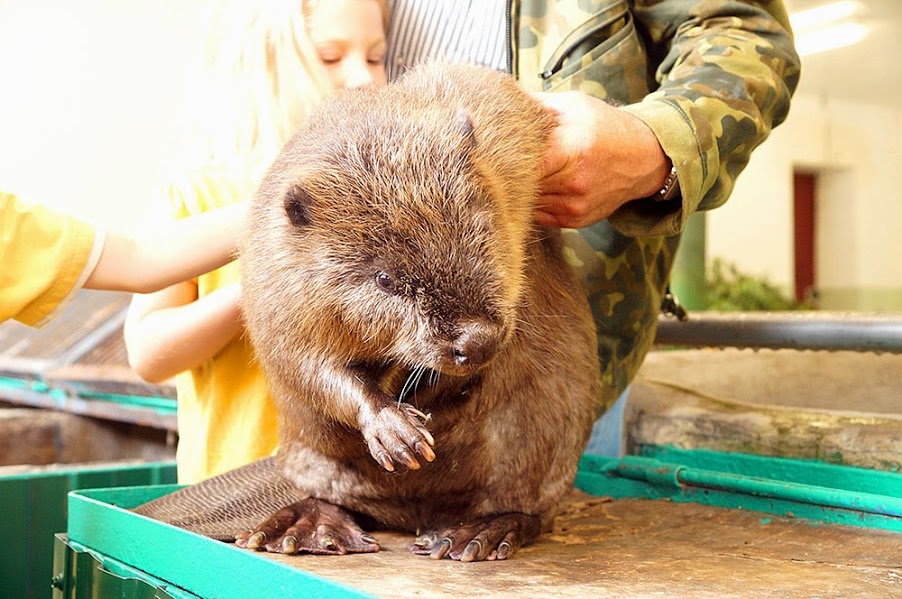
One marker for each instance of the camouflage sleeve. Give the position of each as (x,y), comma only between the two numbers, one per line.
(727,71)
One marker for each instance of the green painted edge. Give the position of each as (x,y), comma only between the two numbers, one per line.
(14,383)
(99,519)
(163,405)
(159,471)
(33,385)
(599,484)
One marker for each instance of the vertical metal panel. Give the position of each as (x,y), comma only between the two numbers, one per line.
(80,574)
(34,508)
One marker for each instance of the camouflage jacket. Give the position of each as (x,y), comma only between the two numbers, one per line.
(710,77)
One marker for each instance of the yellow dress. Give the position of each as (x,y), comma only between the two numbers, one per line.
(45,257)
(226,417)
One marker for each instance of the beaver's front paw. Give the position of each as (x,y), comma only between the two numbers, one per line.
(394,433)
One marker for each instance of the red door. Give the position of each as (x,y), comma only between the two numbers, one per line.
(803,194)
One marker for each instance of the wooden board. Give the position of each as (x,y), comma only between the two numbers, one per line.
(643,548)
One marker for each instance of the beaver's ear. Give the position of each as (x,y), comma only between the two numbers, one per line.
(464,125)
(297,205)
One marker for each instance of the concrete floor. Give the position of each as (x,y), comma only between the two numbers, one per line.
(819,380)
(838,407)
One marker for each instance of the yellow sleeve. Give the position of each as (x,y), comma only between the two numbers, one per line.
(206,189)
(45,257)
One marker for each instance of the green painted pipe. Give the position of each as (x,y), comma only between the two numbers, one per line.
(677,475)
(161,404)
(34,386)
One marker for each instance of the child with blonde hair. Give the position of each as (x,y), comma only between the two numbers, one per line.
(270,63)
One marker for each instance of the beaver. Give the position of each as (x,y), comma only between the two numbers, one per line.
(431,354)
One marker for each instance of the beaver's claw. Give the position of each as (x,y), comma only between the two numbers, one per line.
(489,538)
(309,526)
(396,433)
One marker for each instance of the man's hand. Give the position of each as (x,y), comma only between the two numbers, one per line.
(598,158)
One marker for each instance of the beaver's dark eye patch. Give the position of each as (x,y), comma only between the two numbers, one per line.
(297,203)
(386,282)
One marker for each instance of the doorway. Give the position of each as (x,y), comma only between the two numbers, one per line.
(804,186)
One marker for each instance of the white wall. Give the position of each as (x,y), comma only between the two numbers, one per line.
(91,93)
(856,150)
(93,90)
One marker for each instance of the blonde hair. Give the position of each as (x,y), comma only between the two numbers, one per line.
(261,76)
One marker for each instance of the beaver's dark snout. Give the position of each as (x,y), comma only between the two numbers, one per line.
(477,342)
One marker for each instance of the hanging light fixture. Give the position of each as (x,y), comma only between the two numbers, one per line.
(829,26)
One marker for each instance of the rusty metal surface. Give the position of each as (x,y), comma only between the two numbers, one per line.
(77,357)
(58,339)
(108,350)
(785,330)
(93,408)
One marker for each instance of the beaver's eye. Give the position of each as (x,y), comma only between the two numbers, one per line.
(297,202)
(385,282)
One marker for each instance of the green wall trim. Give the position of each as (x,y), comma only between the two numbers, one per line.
(806,489)
(160,405)
(163,405)
(32,385)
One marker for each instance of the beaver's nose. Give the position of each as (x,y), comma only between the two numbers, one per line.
(476,343)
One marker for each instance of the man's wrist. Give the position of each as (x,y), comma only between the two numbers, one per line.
(656,177)
(670,189)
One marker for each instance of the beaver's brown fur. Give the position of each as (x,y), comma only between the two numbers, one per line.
(431,355)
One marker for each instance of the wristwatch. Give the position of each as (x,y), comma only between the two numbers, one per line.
(671,187)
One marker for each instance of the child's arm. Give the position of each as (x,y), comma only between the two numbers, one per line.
(47,256)
(173,330)
(179,251)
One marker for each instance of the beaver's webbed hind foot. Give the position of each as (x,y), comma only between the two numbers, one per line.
(489,538)
(309,526)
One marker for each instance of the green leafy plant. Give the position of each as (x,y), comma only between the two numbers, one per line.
(730,290)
